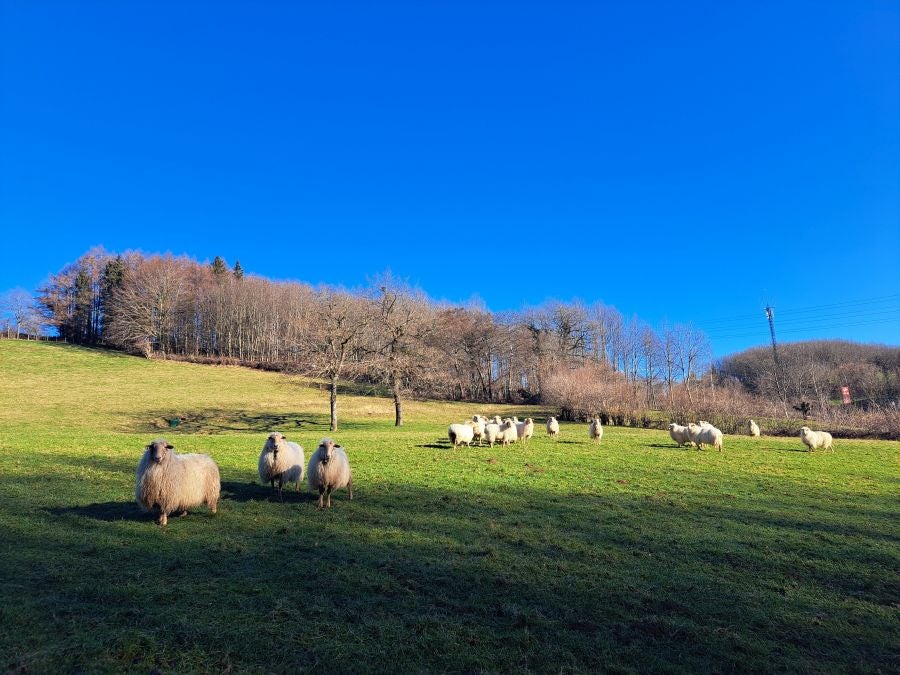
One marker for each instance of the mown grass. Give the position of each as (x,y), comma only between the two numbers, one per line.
(565,556)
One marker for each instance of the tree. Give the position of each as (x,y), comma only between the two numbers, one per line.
(336,332)
(401,331)
(218,266)
(19,305)
(238,271)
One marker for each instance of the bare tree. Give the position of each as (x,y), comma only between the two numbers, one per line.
(339,321)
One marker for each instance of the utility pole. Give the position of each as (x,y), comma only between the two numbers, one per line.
(779,384)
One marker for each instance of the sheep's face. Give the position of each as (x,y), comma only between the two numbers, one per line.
(804,431)
(672,426)
(159,450)
(274,441)
(328,446)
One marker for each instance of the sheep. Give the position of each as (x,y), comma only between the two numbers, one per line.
(492,433)
(525,430)
(171,482)
(477,429)
(816,439)
(552,427)
(461,434)
(329,470)
(679,434)
(281,460)
(496,420)
(705,433)
(508,433)
(753,429)
(595,430)
(480,418)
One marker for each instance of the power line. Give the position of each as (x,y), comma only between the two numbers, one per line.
(752,318)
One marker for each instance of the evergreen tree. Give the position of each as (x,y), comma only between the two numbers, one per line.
(218,266)
(113,279)
(238,270)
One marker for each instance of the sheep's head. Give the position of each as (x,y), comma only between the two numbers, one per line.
(804,431)
(328,446)
(159,450)
(274,442)
(693,427)
(528,420)
(672,426)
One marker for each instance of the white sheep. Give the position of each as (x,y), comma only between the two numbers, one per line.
(170,482)
(480,418)
(496,420)
(753,429)
(525,429)
(552,427)
(492,433)
(679,434)
(281,460)
(329,470)
(508,433)
(477,429)
(461,434)
(705,433)
(816,439)
(595,430)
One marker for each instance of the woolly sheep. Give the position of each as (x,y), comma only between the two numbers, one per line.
(816,439)
(461,434)
(753,428)
(679,434)
(508,433)
(329,470)
(492,433)
(281,460)
(595,430)
(480,418)
(525,429)
(705,434)
(477,430)
(496,420)
(171,482)
(552,427)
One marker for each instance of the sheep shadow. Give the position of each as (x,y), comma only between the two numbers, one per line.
(437,446)
(254,492)
(106,511)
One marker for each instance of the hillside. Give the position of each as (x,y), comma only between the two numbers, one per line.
(630,555)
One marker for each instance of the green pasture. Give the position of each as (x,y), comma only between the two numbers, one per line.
(564,556)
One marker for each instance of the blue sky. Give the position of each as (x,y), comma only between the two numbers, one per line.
(680,161)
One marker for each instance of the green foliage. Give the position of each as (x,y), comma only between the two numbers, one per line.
(631,555)
(238,271)
(218,266)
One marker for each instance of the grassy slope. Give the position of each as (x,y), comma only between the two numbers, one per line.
(634,555)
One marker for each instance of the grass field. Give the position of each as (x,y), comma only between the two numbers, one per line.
(565,556)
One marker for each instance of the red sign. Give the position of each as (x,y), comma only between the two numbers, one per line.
(845,395)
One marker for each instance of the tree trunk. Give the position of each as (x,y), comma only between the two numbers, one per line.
(333,426)
(398,406)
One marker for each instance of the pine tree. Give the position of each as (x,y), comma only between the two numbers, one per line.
(238,270)
(218,266)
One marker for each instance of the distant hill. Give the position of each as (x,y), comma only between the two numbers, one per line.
(817,369)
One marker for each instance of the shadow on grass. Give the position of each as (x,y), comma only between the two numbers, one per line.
(221,420)
(456,578)
(237,491)
(106,511)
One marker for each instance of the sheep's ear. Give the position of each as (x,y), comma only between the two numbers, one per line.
(169,446)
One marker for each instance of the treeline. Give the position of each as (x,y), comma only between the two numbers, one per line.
(386,334)
(815,371)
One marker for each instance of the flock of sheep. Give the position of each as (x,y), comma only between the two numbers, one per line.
(171,483)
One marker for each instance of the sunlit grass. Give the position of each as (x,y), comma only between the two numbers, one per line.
(632,555)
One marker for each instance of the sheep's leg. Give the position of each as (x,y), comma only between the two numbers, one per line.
(328,497)
(350,488)
(321,492)
(163,518)
(213,506)
(280,491)
(182,514)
